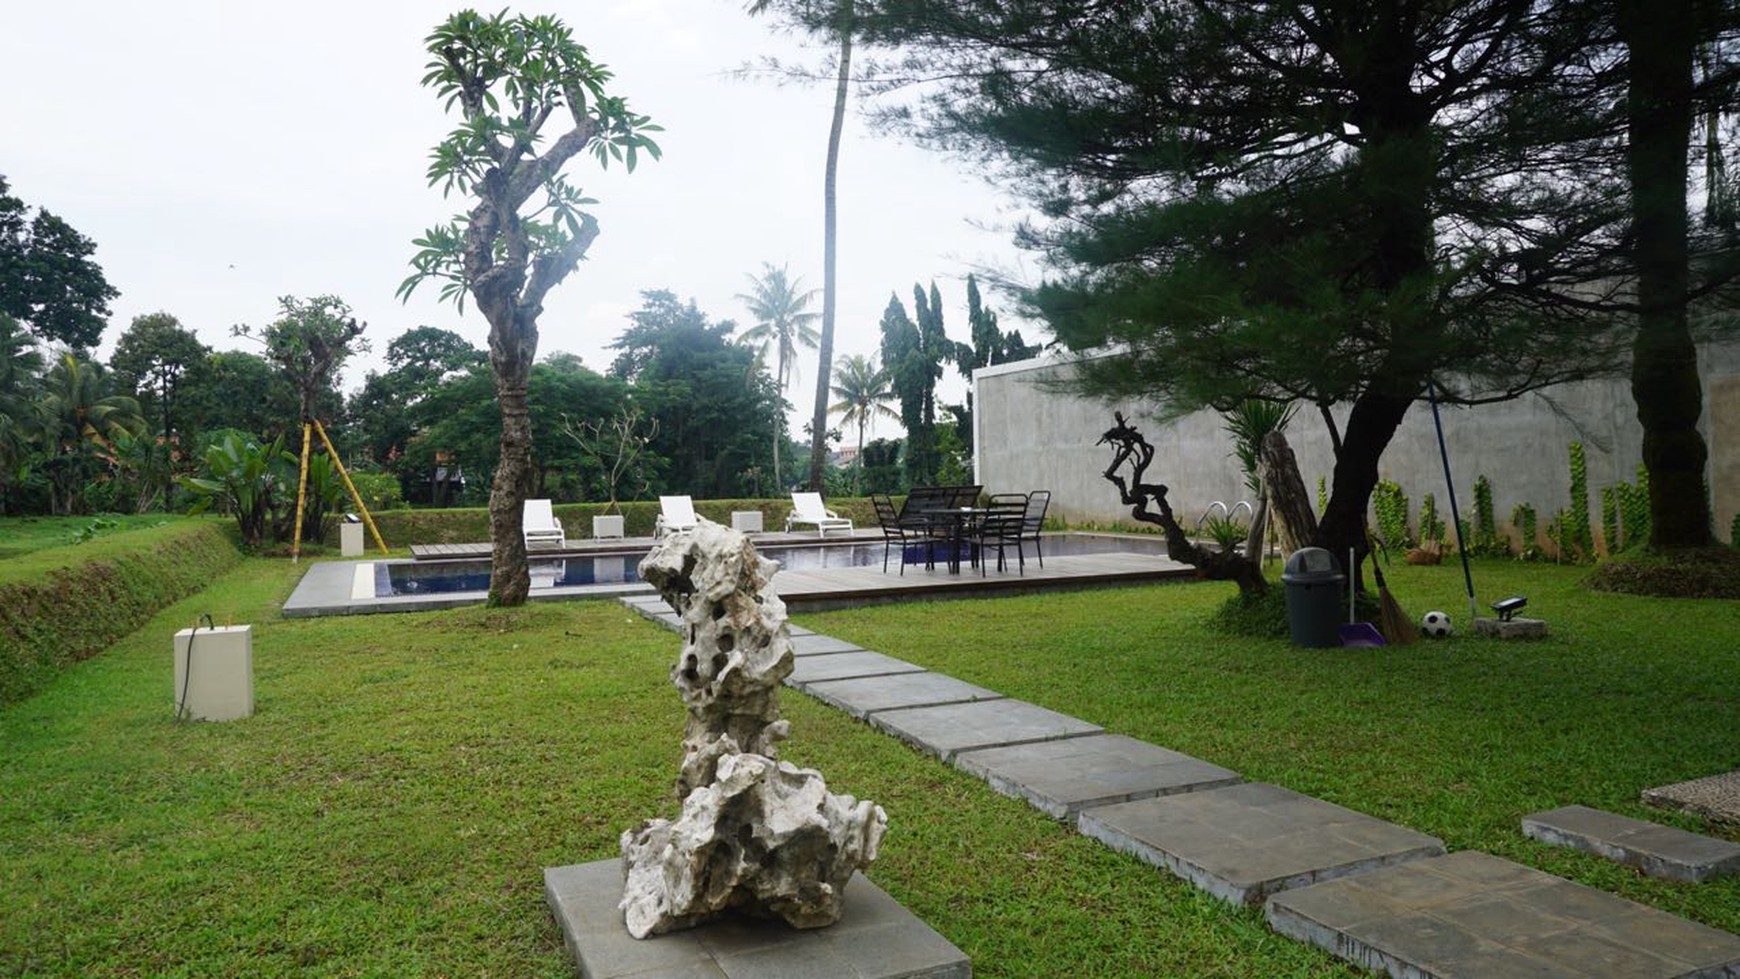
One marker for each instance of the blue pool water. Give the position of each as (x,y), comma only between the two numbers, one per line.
(441,577)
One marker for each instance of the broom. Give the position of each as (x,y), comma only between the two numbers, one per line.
(1397,627)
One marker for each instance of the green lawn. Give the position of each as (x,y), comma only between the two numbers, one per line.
(23,535)
(390,807)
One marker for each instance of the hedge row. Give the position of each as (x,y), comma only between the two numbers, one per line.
(65,604)
(402,528)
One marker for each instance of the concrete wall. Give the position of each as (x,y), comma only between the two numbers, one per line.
(1030,437)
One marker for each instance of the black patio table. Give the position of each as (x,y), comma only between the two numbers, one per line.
(956,527)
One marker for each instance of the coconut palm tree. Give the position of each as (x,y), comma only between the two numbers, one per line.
(79,418)
(864,393)
(842,17)
(779,307)
(20,365)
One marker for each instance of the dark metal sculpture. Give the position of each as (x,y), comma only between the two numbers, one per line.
(1129,447)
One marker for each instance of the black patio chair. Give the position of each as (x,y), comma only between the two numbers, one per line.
(1033,521)
(896,531)
(1000,529)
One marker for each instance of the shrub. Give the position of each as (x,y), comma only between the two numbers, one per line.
(1575,533)
(1228,534)
(1391,506)
(1486,542)
(1257,616)
(1523,518)
(1710,572)
(379,491)
(1431,525)
(65,604)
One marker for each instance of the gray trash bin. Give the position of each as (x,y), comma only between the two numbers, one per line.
(1314,582)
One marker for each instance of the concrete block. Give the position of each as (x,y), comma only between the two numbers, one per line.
(1061,778)
(1659,851)
(840,666)
(1517,628)
(1713,797)
(812,644)
(863,696)
(1478,916)
(214,673)
(1243,843)
(949,729)
(350,539)
(875,938)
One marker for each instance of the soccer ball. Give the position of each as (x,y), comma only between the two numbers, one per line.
(1435,625)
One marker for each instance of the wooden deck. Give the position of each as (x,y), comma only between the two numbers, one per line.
(828,588)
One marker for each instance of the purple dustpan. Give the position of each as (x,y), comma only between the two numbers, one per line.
(1360,635)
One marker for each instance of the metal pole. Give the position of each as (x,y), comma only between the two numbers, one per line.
(1455,514)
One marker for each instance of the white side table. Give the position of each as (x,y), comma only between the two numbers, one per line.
(746,521)
(607,526)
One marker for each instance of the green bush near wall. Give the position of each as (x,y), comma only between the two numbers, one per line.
(402,528)
(65,604)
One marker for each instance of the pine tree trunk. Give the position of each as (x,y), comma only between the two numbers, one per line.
(830,250)
(1370,426)
(1661,37)
(1283,486)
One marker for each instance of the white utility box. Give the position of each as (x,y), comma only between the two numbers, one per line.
(607,526)
(214,673)
(746,521)
(350,539)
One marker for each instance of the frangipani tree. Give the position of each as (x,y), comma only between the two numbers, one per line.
(530,99)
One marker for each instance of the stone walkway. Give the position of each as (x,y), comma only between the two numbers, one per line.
(1374,893)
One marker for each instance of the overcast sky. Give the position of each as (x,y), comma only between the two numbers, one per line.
(224,154)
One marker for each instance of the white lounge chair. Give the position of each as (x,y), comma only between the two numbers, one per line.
(675,513)
(539,524)
(807,508)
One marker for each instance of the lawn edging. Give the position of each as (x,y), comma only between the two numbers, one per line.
(67,604)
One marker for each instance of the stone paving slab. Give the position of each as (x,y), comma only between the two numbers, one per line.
(1478,916)
(814,645)
(1243,843)
(841,666)
(875,938)
(1659,851)
(1061,778)
(1715,797)
(949,729)
(864,696)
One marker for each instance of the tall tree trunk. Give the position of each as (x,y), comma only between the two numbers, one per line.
(511,351)
(1279,472)
(1660,37)
(1370,426)
(830,222)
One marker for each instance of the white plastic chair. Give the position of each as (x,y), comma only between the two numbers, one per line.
(807,508)
(675,513)
(539,524)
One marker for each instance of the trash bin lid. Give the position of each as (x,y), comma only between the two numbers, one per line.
(1311,566)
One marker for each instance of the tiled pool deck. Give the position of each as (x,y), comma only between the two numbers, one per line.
(347,587)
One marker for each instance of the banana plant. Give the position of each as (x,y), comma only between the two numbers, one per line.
(245,478)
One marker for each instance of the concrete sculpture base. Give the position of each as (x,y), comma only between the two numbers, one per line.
(875,939)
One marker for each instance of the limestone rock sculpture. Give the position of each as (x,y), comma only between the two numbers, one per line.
(756,835)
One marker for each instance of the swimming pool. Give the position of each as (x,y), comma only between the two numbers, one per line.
(408,578)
